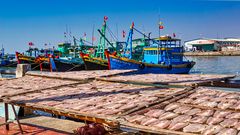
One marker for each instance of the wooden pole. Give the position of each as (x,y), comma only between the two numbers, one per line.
(19,124)
(6,116)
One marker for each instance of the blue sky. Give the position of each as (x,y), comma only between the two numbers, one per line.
(44,21)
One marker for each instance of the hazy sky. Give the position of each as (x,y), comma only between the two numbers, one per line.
(44,21)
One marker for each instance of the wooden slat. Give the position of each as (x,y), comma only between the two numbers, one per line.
(153,130)
(220,84)
(190,82)
(111,122)
(79,75)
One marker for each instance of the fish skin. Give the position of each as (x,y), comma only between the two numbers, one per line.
(206,113)
(214,120)
(182,110)
(177,126)
(233,116)
(194,128)
(193,111)
(182,118)
(134,118)
(199,119)
(224,105)
(221,114)
(227,123)
(237,126)
(228,131)
(162,124)
(167,115)
(154,113)
(148,121)
(171,107)
(212,130)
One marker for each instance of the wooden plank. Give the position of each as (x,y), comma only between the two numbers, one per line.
(80,75)
(164,85)
(111,122)
(163,79)
(6,123)
(153,130)
(220,84)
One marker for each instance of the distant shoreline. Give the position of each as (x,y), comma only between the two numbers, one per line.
(221,53)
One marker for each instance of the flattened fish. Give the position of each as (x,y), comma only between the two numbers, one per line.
(214,120)
(167,115)
(212,130)
(177,126)
(194,128)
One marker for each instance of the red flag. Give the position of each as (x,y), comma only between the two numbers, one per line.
(93,38)
(30,43)
(105,18)
(161,27)
(123,34)
(132,24)
(174,35)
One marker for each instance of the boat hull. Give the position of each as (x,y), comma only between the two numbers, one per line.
(64,66)
(123,63)
(23,59)
(94,63)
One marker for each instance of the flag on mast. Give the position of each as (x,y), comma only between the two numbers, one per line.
(161,25)
(123,34)
(30,44)
(174,35)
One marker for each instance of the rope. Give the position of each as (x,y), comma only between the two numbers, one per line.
(111,34)
(74,66)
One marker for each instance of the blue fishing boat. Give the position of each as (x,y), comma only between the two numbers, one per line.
(163,56)
(5,60)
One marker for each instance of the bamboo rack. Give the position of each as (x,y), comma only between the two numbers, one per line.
(77,76)
(111,122)
(175,83)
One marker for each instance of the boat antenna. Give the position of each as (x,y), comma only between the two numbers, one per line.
(159,37)
(117,30)
(66,34)
(93,34)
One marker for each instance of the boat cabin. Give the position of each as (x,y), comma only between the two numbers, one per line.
(164,51)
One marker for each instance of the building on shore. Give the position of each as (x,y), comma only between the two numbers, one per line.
(206,45)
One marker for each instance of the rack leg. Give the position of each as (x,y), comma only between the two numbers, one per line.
(19,124)
(6,115)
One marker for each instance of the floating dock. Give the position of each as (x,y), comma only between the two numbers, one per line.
(162,104)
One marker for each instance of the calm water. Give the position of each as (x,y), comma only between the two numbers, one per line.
(216,64)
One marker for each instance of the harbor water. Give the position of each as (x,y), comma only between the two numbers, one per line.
(216,64)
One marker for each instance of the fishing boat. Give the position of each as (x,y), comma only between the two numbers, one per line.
(5,60)
(35,57)
(96,59)
(163,56)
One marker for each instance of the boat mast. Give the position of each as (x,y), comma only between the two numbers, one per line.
(159,37)
(102,42)
(129,41)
